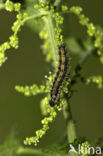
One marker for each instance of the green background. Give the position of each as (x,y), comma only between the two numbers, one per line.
(27,65)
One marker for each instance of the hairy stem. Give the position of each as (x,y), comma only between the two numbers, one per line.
(37,152)
(35,16)
(70,124)
(22,150)
(51,36)
(71,133)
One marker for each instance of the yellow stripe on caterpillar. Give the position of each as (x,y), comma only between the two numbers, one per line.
(60,77)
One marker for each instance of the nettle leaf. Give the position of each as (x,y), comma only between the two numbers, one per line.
(98,142)
(57,150)
(78,46)
(98,80)
(73,46)
(88,44)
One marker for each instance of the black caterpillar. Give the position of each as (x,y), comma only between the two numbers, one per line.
(61,75)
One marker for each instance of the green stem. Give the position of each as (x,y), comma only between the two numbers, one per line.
(37,152)
(35,16)
(22,150)
(51,36)
(69,122)
(67,110)
(71,133)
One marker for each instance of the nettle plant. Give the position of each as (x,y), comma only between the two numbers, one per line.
(49,15)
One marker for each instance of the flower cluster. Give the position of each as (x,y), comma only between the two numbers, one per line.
(10,6)
(13,39)
(85,148)
(45,122)
(32,90)
(98,80)
(21,18)
(49,112)
(92,30)
(46,110)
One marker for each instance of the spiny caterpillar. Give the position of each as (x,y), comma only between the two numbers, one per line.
(61,75)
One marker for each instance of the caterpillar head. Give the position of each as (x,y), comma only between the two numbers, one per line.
(52,103)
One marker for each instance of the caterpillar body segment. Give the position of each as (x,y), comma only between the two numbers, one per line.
(60,77)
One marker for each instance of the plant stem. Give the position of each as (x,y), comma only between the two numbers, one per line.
(35,16)
(71,133)
(22,150)
(37,152)
(69,122)
(51,36)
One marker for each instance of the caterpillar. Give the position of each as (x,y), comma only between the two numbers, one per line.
(60,77)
